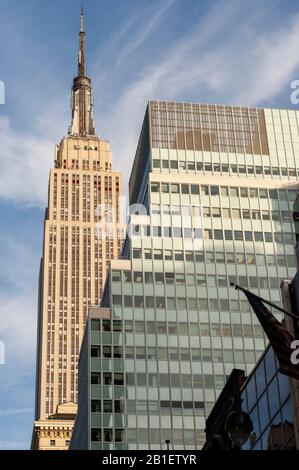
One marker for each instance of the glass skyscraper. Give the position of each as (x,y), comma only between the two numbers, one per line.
(212,189)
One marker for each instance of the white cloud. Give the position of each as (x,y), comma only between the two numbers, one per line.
(25,161)
(18,302)
(231,54)
(228,56)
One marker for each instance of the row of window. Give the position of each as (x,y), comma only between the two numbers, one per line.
(227,213)
(178,354)
(148,436)
(160,380)
(247,214)
(224,191)
(287,238)
(107,435)
(177,328)
(182,303)
(181,279)
(224,168)
(142,407)
(145,231)
(208,257)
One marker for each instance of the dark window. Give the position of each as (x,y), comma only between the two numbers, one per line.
(96,406)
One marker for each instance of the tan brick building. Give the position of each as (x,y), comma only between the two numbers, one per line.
(76,253)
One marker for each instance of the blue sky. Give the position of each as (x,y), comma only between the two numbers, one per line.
(236,52)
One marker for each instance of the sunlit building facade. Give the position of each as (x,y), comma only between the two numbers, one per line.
(213,189)
(84,193)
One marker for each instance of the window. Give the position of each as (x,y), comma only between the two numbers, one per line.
(179,255)
(255,214)
(148,278)
(248,236)
(246,213)
(266,215)
(96,406)
(127,276)
(228,234)
(160,302)
(95,378)
(278,237)
(224,191)
(268,237)
(139,327)
(194,189)
(107,378)
(204,190)
(214,190)
(149,302)
(238,235)
(140,352)
(136,253)
(52,442)
(234,192)
(116,276)
(117,300)
(158,254)
(96,435)
(119,433)
(263,193)
(182,304)
(260,260)
(128,301)
(138,301)
(236,214)
(258,236)
(175,188)
(226,213)
(253,192)
(206,212)
(108,435)
(138,277)
(218,235)
(95,351)
(207,234)
(273,194)
(107,351)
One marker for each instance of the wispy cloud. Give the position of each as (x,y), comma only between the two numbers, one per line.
(153,18)
(229,54)
(226,56)
(227,51)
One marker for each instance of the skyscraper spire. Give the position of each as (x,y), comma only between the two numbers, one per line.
(81,58)
(82,116)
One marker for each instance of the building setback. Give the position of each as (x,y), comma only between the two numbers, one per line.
(217,184)
(75,258)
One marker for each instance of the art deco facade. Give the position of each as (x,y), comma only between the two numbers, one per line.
(76,254)
(218,184)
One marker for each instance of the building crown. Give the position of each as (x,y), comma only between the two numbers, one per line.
(82,124)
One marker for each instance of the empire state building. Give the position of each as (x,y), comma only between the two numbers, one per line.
(80,239)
